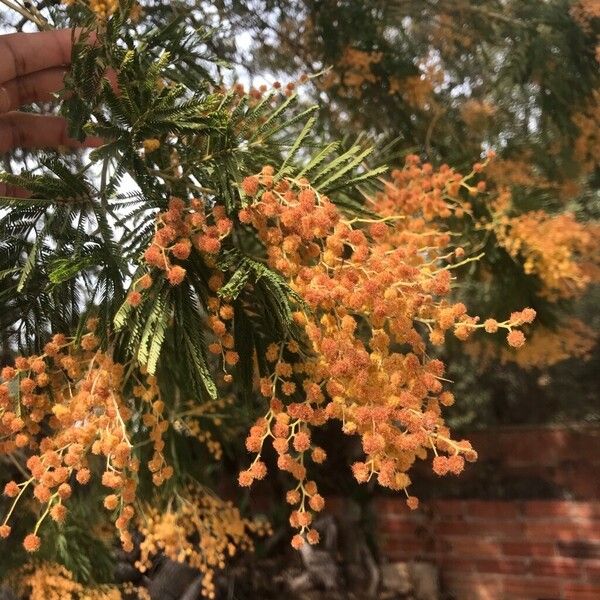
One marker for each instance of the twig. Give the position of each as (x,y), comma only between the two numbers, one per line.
(38,6)
(432,124)
(37,19)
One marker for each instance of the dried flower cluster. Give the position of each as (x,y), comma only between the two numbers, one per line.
(519,170)
(417,90)
(65,406)
(103,9)
(356,67)
(447,32)
(477,113)
(269,93)
(199,529)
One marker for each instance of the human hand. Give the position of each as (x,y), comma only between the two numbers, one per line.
(32,69)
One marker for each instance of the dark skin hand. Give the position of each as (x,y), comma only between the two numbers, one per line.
(32,69)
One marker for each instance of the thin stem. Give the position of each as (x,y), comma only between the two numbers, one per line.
(41,519)
(38,19)
(16,500)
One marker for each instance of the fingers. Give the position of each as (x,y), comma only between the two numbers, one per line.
(36,87)
(25,130)
(32,69)
(25,53)
(13,191)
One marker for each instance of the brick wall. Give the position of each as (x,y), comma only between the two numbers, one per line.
(566,458)
(545,550)
(523,462)
(508,544)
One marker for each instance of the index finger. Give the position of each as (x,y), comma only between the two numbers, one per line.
(25,53)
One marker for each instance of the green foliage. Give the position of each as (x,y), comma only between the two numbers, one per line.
(77,543)
(73,248)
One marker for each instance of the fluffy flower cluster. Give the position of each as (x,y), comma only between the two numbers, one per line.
(584,12)
(49,581)
(417,90)
(449,35)
(101,8)
(587,144)
(178,230)
(104,8)
(220,322)
(562,252)
(62,407)
(545,347)
(191,421)
(269,94)
(517,171)
(477,113)
(375,291)
(356,67)
(199,529)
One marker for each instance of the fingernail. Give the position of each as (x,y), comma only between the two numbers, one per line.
(4,100)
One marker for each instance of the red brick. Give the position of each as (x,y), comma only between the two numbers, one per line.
(552,508)
(395,550)
(447,507)
(507,528)
(452,528)
(399,526)
(528,549)
(392,517)
(577,473)
(402,540)
(388,505)
(587,549)
(546,529)
(450,564)
(337,505)
(468,580)
(395,506)
(473,547)
(581,591)
(473,586)
(591,568)
(508,566)
(557,567)
(525,450)
(534,588)
(397,556)
(494,510)
(459,520)
(566,459)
